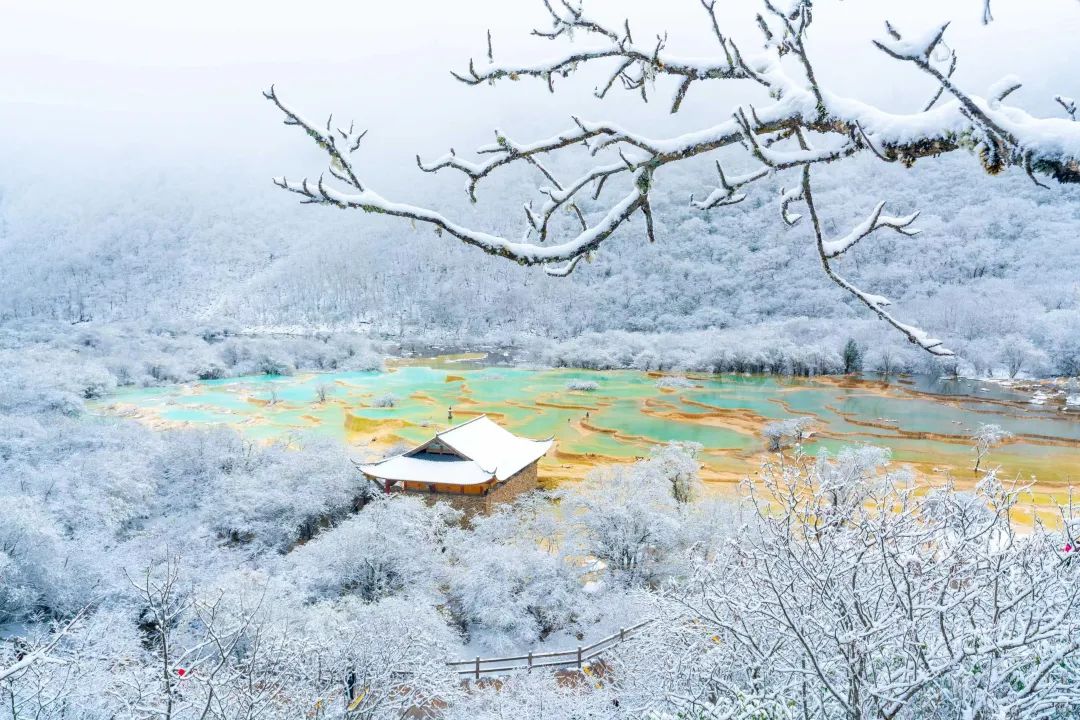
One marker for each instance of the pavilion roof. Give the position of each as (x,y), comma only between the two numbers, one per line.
(484,450)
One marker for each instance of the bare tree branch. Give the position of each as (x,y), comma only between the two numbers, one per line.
(828,250)
(1068,104)
(42,653)
(803,123)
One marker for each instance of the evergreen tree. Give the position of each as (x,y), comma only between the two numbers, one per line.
(853,357)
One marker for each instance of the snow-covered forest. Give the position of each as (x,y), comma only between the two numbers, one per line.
(991,271)
(194,574)
(184,572)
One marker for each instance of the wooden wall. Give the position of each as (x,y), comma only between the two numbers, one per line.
(472,499)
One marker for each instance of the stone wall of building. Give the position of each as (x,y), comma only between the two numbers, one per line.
(468,504)
(522,481)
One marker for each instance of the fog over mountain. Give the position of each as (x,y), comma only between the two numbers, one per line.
(992,268)
(137,184)
(201,374)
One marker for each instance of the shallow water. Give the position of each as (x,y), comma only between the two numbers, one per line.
(925,422)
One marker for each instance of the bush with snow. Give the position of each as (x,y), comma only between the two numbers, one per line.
(387,400)
(674,382)
(791,594)
(506,590)
(389,548)
(782,433)
(627,525)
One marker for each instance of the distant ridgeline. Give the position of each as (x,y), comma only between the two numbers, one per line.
(993,273)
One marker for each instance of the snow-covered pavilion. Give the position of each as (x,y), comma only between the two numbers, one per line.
(477,458)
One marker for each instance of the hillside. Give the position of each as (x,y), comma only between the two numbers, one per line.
(991,271)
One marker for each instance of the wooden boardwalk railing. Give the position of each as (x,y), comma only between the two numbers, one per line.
(479,666)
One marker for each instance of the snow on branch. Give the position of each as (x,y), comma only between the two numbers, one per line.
(1068,104)
(42,653)
(802,123)
(828,250)
(918,48)
(1004,87)
(835,248)
(1003,136)
(637,65)
(787,197)
(367,200)
(727,193)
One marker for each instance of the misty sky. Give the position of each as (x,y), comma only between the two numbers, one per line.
(115,85)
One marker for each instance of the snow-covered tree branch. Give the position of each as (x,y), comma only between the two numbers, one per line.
(41,653)
(853,595)
(804,123)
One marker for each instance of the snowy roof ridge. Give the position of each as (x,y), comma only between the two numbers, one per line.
(484,447)
(439,436)
(481,416)
(484,416)
(486,442)
(428,470)
(418,450)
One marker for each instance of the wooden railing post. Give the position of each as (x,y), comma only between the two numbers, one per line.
(557,659)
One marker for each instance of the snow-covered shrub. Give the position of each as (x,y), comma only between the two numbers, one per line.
(985,437)
(384,660)
(628,524)
(267,364)
(790,595)
(388,548)
(515,597)
(164,370)
(35,381)
(582,385)
(781,433)
(675,465)
(32,561)
(674,382)
(521,591)
(276,497)
(387,400)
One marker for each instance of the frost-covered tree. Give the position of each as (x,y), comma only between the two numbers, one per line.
(508,584)
(627,519)
(677,464)
(273,496)
(25,658)
(386,400)
(32,559)
(388,548)
(986,437)
(1004,272)
(781,433)
(370,661)
(855,594)
(787,120)
(885,362)
(1018,353)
